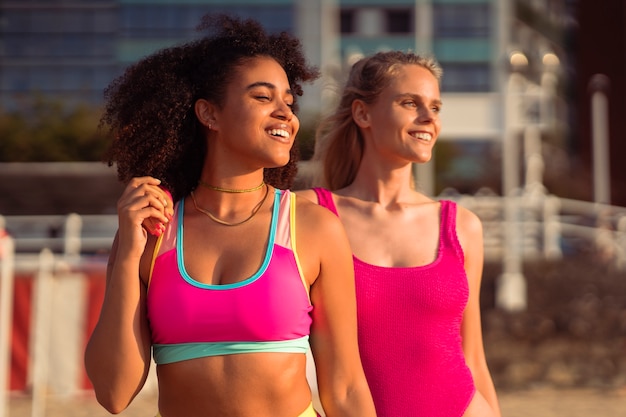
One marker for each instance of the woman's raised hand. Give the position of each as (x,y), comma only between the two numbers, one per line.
(144,207)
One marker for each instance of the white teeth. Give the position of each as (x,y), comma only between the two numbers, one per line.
(423,136)
(278,132)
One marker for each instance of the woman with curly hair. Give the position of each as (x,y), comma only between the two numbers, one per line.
(209,277)
(418,261)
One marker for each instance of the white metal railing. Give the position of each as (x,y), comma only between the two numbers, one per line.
(42,246)
(70,235)
(549,227)
(41,331)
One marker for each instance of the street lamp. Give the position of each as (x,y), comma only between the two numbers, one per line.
(599,86)
(545,122)
(529,109)
(511,284)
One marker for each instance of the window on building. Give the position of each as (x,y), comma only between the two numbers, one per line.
(274,19)
(104,21)
(56,45)
(15,45)
(467,165)
(45,21)
(74,21)
(103,75)
(465,77)
(176,21)
(346,20)
(75,78)
(15,79)
(19,22)
(461,20)
(399,20)
(44,79)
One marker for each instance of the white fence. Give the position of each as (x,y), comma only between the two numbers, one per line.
(549,227)
(71,235)
(50,248)
(59,302)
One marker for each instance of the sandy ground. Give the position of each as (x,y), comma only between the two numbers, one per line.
(545,402)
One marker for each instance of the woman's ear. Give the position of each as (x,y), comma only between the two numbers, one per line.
(360,113)
(205,112)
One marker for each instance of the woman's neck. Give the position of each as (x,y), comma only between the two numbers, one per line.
(383,186)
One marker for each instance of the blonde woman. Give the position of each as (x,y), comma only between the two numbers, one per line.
(418,261)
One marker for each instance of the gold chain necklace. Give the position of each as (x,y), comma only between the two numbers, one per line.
(215,219)
(231,190)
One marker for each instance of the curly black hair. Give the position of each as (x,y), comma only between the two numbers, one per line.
(150,108)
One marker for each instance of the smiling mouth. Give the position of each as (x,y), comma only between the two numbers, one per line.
(422,135)
(280,133)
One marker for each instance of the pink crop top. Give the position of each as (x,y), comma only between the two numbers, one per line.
(267,312)
(409,329)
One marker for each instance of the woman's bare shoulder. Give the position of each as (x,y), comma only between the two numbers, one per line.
(467,220)
(313,217)
(308,193)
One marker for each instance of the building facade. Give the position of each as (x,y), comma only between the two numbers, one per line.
(71,50)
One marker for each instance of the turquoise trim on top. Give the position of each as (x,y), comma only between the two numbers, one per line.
(266,260)
(164,354)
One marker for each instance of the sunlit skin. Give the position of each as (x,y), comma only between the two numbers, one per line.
(403,123)
(253,129)
(389,223)
(256,123)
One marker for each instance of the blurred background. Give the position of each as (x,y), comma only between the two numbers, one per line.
(532,141)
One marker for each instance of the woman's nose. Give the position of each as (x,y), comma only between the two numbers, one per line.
(426,114)
(284,112)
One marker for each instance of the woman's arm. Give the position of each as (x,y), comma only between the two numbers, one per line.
(117,357)
(324,248)
(469,229)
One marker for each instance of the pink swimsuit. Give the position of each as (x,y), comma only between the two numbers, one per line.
(409,324)
(267,312)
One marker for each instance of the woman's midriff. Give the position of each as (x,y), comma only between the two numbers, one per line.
(259,384)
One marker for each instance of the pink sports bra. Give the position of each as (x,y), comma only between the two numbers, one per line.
(267,312)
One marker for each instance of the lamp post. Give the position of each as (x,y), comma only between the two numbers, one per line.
(535,193)
(529,110)
(599,86)
(511,284)
(547,116)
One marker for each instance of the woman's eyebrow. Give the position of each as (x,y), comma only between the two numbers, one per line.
(266,84)
(416,97)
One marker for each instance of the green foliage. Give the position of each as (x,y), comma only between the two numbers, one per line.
(49,132)
(305,141)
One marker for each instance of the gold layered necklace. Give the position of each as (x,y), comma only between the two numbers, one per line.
(255,209)
(231,190)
